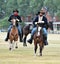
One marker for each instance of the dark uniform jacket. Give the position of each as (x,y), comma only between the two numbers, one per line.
(16,17)
(43,19)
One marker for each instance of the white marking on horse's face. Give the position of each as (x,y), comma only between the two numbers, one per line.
(39,28)
(14,21)
(38,33)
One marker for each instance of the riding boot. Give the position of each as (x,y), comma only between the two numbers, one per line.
(45,40)
(20,37)
(7,37)
(30,40)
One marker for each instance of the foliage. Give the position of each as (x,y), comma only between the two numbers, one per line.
(4,23)
(53,6)
(27,7)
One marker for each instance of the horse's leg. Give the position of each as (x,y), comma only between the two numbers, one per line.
(35,48)
(24,41)
(16,44)
(10,45)
(22,33)
(41,48)
(13,45)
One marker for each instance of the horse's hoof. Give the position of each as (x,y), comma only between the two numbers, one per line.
(9,48)
(40,54)
(16,47)
(24,44)
(35,54)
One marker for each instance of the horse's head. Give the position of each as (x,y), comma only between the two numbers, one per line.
(38,30)
(14,22)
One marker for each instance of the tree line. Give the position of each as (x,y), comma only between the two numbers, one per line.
(27,7)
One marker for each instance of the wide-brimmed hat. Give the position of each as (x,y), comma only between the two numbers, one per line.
(16,11)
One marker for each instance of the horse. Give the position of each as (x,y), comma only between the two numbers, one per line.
(13,35)
(38,39)
(26,31)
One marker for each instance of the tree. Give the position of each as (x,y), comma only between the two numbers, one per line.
(25,7)
(53,6)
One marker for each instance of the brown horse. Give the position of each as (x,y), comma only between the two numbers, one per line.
(13,36)
(38,39)
(26,31)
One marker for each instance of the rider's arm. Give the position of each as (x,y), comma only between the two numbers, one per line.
(19,19)
(35,20)
(46,22)
(10,18)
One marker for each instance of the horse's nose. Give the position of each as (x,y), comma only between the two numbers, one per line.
(13,25)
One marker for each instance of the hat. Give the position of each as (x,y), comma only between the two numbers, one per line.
(38,13)
(42,11)
(16,11)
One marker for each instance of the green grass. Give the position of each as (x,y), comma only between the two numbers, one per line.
(25,55)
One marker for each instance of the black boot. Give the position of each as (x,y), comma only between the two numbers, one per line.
(7,37)
(30,40)
(20,37)
(45,40)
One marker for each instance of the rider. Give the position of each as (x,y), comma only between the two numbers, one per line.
(40,17)
(18,18)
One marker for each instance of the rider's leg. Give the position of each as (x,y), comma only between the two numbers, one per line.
(20,32)
(45,36)
(8,33)
(32,34)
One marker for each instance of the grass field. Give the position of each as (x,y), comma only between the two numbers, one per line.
(25,55)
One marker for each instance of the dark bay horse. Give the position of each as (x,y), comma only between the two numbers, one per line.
(13,36)
(26,31)
(38,39)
